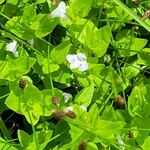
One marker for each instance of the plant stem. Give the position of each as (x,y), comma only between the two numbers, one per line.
(34,132)
(129,11)
(49,71)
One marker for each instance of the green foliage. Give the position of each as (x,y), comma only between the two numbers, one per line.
(77,61)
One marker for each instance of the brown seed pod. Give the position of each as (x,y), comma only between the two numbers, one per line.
(55,2)
(119,101)
(22,83)
(146,15)
(71,114)
(55,100)
(130,134)
(136,2)
(59,114)
(82,145)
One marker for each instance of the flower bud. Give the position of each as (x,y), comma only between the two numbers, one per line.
(22,83)
(71,114)
(55,100)
(59,114)
(82,145)
(136,2)
(146,15)
(130,134)
(119,101)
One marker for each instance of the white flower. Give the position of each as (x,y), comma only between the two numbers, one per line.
(31,42)
(77,61)
(81,56)
(60,11)
(73,60)
(12,47)
(83,66)
(67,97)
(83,107)
(69,108)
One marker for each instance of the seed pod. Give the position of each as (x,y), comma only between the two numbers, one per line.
(119,101)
(130,134)
(136,2)
(55,100)
(82,145)
(22,83)
(55,2)
(146,15)
(71,114)
(107,59)
(59,114)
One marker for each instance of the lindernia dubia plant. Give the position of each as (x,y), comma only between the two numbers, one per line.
(74,75)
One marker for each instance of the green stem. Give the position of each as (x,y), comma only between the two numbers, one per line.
(33,129)
(34,132)
(1,97)
(49,72)
(129,11)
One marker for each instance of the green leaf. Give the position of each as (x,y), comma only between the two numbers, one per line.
(14,2)
(24,138)
(1,1)
(62,75)
(135,102)
(47,65)
(58,54)
(20,25)
(19,28)
(40,1)
(25,101)
(5,145)
(108,129)
(131,71)
(81,28)
(43,24)
(93,115)
(99,40)
(28,142)
(85,96)
(79,8)
(144,57)
(14,68)
(146,143)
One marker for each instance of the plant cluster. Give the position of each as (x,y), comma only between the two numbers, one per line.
(74,75)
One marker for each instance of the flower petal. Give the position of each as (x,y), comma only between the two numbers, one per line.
(12,47)
(69,108)
(81,56)
(83,107)
(67,97)
(83,66)
(60,11)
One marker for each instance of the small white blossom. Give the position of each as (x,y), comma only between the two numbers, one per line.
(60,11)
(77,61)
(83,66)
(73,60)
(12,47)
(67,97)
(81,57)
(31,42)
(83,107)
(69,108)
